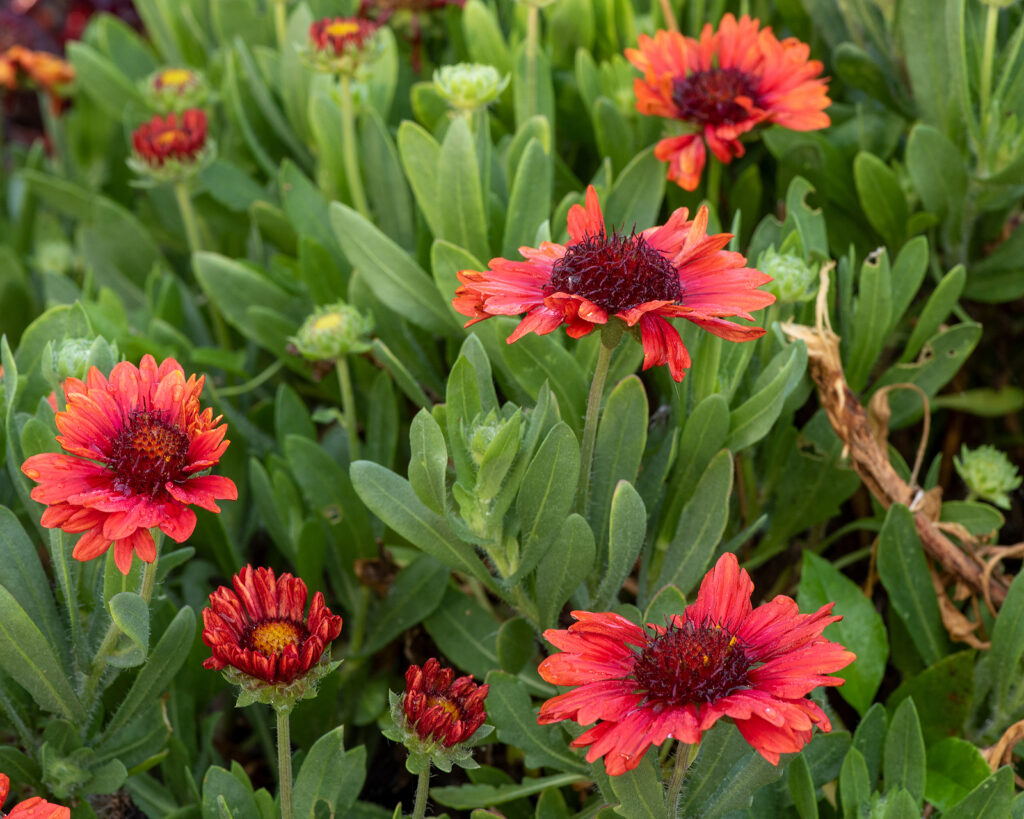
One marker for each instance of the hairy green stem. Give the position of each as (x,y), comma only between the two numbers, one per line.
(609,341)
(348,407)
(348,148)
(419,810)
(684,756)
(280,23)
(284,762)
(532,41)
(987,60)
(188,216)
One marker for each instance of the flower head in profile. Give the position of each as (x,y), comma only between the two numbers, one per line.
(343,45)
(34,808)
(438,717)
(673,270)
(723,85)
(171,147)
(720,658)
(332,331)
(46,71)
(175,89)
(263,639)
(137,446)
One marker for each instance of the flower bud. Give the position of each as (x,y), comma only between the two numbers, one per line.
(988,473)
(332,331)
(793,280)
(343,45)
(72,358)
(468,86)
(171,148)
(175,89)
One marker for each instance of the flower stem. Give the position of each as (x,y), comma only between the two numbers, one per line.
(987,60)
(685,755)
(348,148)
(348,407)
(532,40)
(188,216)
(609,341)
(419,810)
(280,23)
(284,762)
(669,15)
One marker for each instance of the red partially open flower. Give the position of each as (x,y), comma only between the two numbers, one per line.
(725,84)
(261,627)
(180,138)
(720,658)
(440,709)
(34,808)
(138,443)
(339,34)
(674,270)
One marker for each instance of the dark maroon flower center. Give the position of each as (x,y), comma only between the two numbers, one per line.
(709,97)
(147,453)
(691,664)
(271,637)
(615,272)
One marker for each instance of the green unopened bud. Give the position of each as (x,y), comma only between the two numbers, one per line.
(988,473)
(793,280)
(175,89)
(72,358)
(468,86)
(332,331)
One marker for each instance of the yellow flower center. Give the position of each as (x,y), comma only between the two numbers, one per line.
(271,637)
(174,77)
(328,321)
(449,707)
(342,28)
(168,138)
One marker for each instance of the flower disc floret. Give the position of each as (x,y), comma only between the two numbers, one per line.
(675,270)
(721,658)
(722,86)
(137,444)
(176,89)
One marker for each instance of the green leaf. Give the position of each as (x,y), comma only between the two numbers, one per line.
(22,575)
(164,661)
(613,132)
(421,159)
(730,773)
(621,439)
(105,84)
(467,797)
(484,38)
(414,595)
(1007,650)
(131,614)
(529,199)
(904,763)
(983,401)
(29,659)
(635,198)
(951,682)
(627,526)
(224,797)
(908,271)
(854,785)
(465,632)
(753,419)
(546,496)
(562,569)
(922,30)
(904,573)
(510,711)
(871,320)
(331,775)
(700,527)
(861,630)
(639,790)
(940,304)
(535,360)
(942,192)
(801,786)
(392,275)
(428,461)
(955,768)
(993,797)
(515,644)
(881,197)
(462,204)
(392,499)
(869,739)
(978,518)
